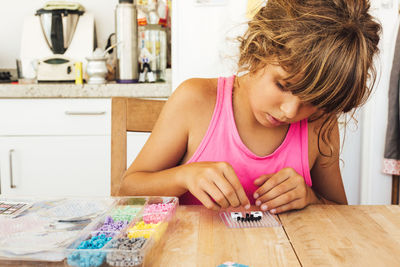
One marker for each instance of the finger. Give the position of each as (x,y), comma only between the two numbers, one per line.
(276,191)
(213,191)
(230,175)
(262,179)
(294,205)
(280,200)
(276,179)
(206,200)
(227,189)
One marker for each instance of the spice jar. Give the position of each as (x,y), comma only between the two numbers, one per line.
(96,68)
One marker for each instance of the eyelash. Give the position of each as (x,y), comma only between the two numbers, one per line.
(281,87)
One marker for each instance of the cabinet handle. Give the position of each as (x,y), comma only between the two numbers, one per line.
(12,185)
(84,113)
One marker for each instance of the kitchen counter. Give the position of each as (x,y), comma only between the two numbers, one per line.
(71,90)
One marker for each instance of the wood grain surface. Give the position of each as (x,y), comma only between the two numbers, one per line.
(325,235)
(198,237)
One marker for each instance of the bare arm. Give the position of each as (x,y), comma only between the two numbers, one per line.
(154,170)
(327,181)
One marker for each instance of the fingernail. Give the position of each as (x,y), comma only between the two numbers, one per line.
(264,207)
(258,203)
(255,195)
(273,211)
(247,206)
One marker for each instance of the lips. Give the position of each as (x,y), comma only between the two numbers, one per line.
(274,121)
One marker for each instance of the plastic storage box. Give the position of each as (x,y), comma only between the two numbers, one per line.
(126,232)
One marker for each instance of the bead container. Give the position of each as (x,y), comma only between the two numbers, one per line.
(125,235)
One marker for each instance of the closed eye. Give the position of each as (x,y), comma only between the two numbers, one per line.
(280,86)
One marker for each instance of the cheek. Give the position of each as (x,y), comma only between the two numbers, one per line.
(266,98)
(308,111)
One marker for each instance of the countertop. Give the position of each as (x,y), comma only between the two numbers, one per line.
(71,90)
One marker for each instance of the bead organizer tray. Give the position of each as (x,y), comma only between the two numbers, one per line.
(115,240)
(91,232)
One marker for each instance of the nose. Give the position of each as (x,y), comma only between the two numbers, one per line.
(290,106)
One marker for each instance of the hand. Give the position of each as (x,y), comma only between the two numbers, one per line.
(215,184)
(283,191)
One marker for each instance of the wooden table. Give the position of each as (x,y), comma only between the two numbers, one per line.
(320,235)
(325,235)
(199,238)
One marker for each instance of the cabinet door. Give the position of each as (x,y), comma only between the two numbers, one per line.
(55,166)
(46,117)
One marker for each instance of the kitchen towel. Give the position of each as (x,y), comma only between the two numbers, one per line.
(391,161)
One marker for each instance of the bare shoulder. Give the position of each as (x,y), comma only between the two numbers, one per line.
(193,97)
(195,91)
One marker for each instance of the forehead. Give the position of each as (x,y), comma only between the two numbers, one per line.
(280,73)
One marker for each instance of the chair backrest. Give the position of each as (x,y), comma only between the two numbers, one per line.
(128,115)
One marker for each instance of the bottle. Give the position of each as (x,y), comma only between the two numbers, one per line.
(126,35)
(78,73)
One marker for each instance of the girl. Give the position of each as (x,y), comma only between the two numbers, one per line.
(268,137)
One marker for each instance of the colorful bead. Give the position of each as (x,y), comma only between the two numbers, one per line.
(156,213)
(127,252)
(125,213)
(110,227)
(89,258)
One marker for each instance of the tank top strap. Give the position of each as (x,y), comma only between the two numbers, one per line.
(224,88)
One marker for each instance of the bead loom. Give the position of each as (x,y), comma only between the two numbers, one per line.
(250,219)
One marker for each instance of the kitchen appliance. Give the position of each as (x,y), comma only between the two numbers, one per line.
(8,75)
(57,36)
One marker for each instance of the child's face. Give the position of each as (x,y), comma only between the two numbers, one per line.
(271,104)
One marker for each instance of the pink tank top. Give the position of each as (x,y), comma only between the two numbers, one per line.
(223,143)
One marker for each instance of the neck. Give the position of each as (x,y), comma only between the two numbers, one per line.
(241,105)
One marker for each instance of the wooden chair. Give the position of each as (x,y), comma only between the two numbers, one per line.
(395,189)
(128,115)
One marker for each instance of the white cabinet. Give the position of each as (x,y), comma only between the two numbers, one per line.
(55,147)
(58,147)
(55,165)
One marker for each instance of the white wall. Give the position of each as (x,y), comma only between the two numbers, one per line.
(376,186)
(12,14)
(202,37)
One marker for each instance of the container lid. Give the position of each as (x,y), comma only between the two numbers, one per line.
(61,7)
(126,1)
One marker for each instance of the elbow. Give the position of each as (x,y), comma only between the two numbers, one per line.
(124,187)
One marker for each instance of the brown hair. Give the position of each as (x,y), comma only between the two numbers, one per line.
(331,43)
